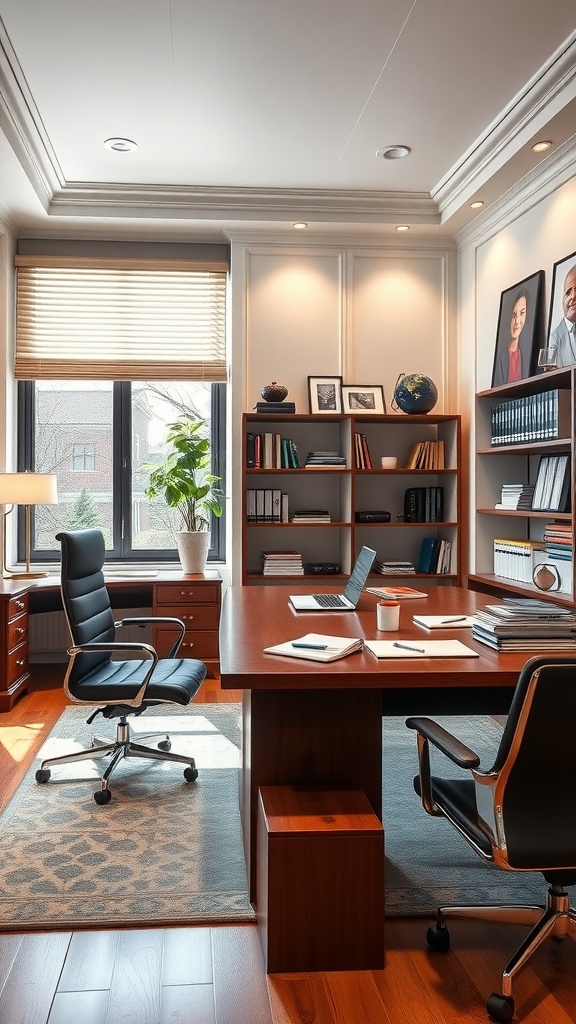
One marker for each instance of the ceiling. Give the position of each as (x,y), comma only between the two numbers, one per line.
(256,113)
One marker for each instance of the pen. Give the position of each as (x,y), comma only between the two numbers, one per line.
(406,647)
(461,618)
(311,647)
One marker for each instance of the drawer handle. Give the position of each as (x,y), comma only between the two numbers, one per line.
(19,662)
(186,593)
(20,629)
(188,618)
(187,645)
(20,605)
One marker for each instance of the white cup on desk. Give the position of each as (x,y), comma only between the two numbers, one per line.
(388,616)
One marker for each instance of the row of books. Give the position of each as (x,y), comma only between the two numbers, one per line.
(266,505)
(362,455)
(282,563)
(426,455)
(541,417)
(270,451)
(516,559)
(435,555)
(525,624)
(394,568)
(311,516)
(552,484)
(424,505)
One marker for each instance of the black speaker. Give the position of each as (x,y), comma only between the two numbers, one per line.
(376,516)
(323,568)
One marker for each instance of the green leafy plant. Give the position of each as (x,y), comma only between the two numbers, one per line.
(184,479)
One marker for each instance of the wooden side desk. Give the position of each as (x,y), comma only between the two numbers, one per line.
(194,599)
(307,723)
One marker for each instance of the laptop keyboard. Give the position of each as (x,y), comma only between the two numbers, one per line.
(330,601)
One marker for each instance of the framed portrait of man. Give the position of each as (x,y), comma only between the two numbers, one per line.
(519,330)
(562,314)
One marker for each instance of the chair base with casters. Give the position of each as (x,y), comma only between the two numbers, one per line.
(123,746)
(117,678)
(556,920)
(516,814)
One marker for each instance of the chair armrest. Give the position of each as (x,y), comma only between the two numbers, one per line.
(444,741)
(115,647)
(154,619)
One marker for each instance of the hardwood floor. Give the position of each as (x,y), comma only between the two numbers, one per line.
(215,975)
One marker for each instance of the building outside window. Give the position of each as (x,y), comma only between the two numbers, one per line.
(83,458)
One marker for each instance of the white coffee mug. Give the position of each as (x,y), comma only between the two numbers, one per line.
(388,616)
(389,462)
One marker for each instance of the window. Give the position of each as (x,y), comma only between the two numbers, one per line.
(102,481)
(83,458)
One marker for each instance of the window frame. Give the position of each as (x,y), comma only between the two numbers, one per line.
(122,550)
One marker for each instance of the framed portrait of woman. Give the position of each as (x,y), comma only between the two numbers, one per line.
(519,330)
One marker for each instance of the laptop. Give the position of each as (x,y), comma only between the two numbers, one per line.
(345,602)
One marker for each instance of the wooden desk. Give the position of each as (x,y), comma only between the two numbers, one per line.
(307,723)
(194,599)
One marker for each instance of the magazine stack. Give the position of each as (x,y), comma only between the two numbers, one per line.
(525,624)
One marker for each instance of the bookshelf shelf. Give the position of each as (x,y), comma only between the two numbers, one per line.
(537,405)
(344,491)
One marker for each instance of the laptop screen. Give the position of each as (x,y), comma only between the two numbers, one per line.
(359,575)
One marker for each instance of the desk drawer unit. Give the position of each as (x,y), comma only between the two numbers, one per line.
(14,675)
(196,601)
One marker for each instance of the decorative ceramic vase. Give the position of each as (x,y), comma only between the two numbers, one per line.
(274,392)
(193,550)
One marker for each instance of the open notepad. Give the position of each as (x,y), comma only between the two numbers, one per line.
(322,647)
(444,621)
(419,649)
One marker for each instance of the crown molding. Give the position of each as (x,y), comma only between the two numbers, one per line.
(545,94)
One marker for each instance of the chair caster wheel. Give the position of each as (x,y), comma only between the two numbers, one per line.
(103,796)
(500,1007)
(438,939)
(42,775)
(190,774)
(165,745)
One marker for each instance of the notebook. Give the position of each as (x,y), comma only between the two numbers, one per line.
(345,602)
(317,647)
(444,621)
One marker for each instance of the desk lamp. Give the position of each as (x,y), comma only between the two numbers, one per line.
(26,489)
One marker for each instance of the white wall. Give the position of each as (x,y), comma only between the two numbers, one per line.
(364,312)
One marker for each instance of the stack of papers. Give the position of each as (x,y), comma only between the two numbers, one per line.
(419,649)
(444,621)
(395,593)
(317,647)
(526,625)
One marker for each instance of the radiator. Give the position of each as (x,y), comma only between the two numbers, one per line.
(50,638)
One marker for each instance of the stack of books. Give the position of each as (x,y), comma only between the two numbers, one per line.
(398,568)
(312,516)
(525,624)
(282,563)
(558,540)
(325,459)
(516,497)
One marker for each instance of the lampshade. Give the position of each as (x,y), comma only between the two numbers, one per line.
(28,489)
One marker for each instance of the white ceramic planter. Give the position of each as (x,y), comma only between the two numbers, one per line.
(193,550)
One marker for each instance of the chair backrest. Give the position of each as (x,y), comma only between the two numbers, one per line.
(85,598)
(536,766)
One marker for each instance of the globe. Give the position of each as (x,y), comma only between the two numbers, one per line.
(415,393)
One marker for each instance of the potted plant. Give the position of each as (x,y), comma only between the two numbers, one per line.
(185,482)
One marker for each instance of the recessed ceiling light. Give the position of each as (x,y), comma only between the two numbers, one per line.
(476,204)
(393,152)
(300,225)
(120,145)
(541,147)
(402,227)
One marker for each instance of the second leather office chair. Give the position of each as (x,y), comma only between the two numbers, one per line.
(120,687)
(518,813)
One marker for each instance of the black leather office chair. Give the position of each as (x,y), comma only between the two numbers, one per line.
(122,687)
(519,813)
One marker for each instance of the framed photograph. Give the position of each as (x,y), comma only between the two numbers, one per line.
(518,336)
(325,394)
(562,315)
(363,398)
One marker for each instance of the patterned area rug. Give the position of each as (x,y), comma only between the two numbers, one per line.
(165,851)
(427,863)
(162,850)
